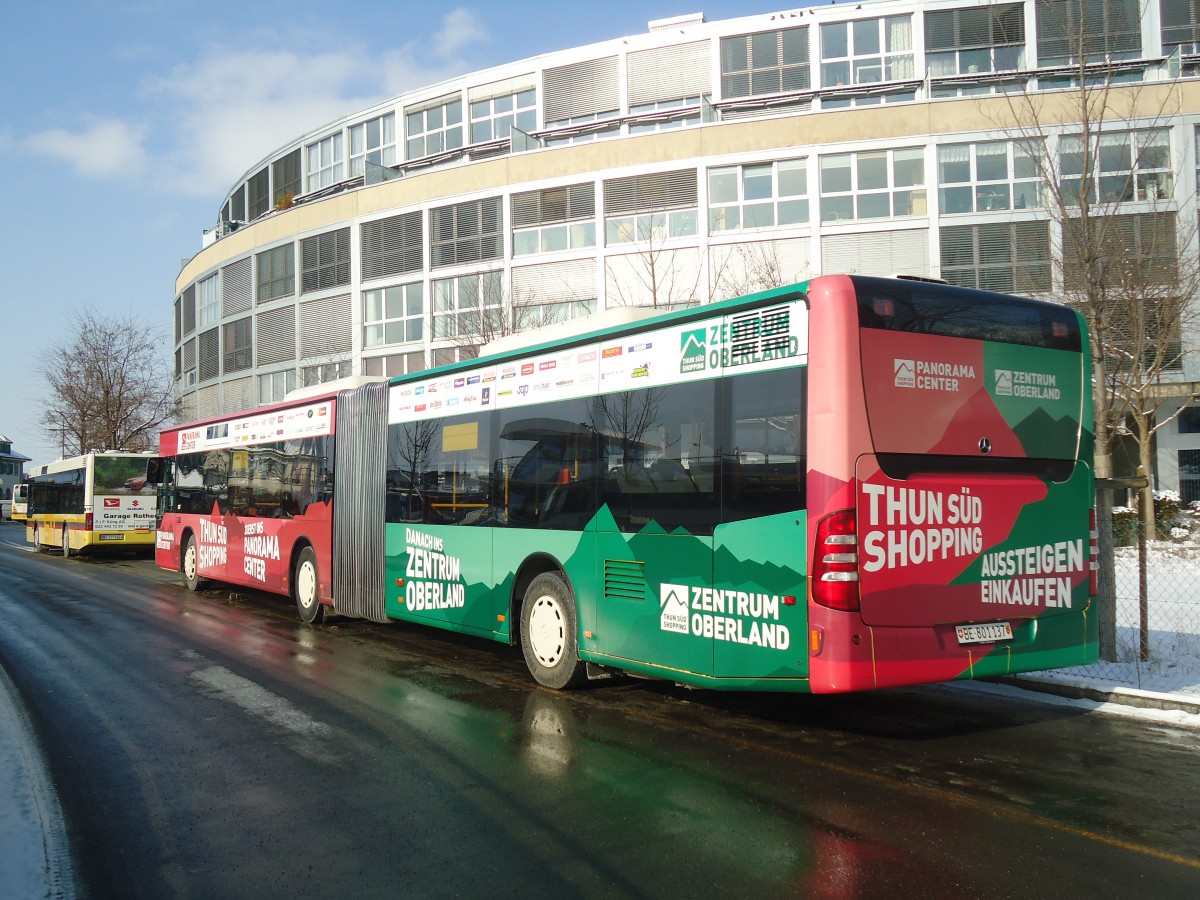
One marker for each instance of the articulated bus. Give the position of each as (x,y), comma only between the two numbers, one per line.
(844,484)
(95,501)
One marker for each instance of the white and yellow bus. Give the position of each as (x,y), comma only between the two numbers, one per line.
(90,501)
(20,502)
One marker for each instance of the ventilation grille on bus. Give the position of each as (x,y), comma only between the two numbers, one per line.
(360,475)
(764,331)
(624,579)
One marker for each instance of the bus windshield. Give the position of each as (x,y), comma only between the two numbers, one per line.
(921,308)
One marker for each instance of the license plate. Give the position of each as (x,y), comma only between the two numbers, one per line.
(984,634)
(112,537)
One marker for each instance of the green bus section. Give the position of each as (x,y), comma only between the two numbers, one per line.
(669,493)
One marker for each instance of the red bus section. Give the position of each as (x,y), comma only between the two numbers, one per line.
(249,494)
(964,502)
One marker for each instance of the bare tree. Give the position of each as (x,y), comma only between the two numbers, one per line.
(1101,152)
(108,385)
(654,274)
(748,268)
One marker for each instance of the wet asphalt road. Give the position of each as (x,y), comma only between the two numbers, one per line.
(213,746)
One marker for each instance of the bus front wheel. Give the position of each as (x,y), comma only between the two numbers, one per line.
(305,588)
(549,636)
(189,566)
(37,540)
(66,542)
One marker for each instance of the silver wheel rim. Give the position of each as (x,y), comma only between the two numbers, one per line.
(547,631)
(306,584)
(189,561)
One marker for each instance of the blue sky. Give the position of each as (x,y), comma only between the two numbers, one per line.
(124,122)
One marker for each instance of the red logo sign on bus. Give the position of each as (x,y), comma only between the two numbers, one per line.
(112,502)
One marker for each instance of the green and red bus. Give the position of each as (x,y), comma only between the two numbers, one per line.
(843,484)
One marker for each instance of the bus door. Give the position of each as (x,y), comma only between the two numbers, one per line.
(757,612)
(439,548)
(661,502)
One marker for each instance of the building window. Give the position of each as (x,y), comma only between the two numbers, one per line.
(758,195)
(585,128)
(1189,423)
(323,373)
(325,261)
(394,315)
(209,311)
(288,179)
(1010,257)
(276,271)
(584,98)
(493,118)
(466,232)
(1136,249)
(866,51)
(975,40)
(1125,166)
(434,129)
(272,388)
(258,193)
(769,62)
(325,162)
(1189,476)
(238,345)
(985,177)
(392,246)
(537,315)
(373,141)
(1105,31)
(445,356)
(189,309)
(209,349)
(665,115)
(654,207)
(878,184)
(562,218)
(1180,26)
(396,364)
(842,100)
(469,305)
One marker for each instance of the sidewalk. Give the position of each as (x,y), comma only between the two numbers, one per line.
(35,860)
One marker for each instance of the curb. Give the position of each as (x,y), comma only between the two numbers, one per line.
(1120,695)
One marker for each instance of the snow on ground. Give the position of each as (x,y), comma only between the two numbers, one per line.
(1173,591)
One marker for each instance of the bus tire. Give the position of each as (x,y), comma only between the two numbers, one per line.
(189,565)
(549,633)
(305,587)
(66,542)
(37,540)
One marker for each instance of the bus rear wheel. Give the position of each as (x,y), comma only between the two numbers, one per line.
(66,542)
(189,565)
(549,633)
(305,588)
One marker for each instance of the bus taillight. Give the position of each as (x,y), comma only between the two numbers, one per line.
(1093,556)
(87,521)
(835,562)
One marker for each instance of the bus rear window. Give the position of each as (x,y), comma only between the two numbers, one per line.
(959,312)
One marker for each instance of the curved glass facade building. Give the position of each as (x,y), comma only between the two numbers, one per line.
(696,161)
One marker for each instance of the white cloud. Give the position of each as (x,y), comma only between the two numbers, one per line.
(230,108)
(105,148)
(460,28)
